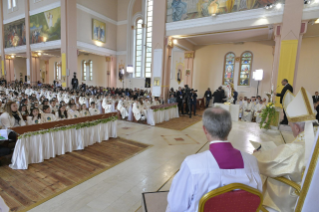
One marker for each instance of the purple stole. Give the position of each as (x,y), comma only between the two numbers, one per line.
(226,156)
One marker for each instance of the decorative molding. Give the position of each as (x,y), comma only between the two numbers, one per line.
(45,8)
(103,17)
(47,45)
(15,50)
(230,18)
(97,50)
(310,12)
(15,18)
(192,42)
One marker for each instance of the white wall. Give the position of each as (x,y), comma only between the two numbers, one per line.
(177,61)
(20,66)
(209,65)
(51,68)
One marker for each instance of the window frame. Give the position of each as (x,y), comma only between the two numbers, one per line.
(251,65)
(84,74)
(58,70)
(90,62)
(224,71)
(12,8)
(148,29)
(136,50)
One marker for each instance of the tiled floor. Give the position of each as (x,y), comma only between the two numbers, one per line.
(120,188)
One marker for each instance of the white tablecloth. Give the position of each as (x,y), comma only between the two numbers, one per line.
(233,110)
(37,148)
(160,116)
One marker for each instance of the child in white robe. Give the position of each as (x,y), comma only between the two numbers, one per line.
(72,112)
(107,105)
(34,118)
(84,112)
(47,115)
(122,109)
(61,114)
(94,111)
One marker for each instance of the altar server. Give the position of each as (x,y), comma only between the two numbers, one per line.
(222,164)
(137,112)
(248,111)
(107,105)
(258,110)
(288,160)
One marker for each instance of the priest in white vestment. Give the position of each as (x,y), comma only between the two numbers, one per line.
(258,110)
(107,105)
(288,160)
(221,165)
(248,111)
(137,111)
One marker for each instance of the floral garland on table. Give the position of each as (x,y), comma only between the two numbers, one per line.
(74,126)
(165,108)
(267,116)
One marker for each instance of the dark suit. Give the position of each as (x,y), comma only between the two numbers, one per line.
(208,95)
(219,96)
(281,95)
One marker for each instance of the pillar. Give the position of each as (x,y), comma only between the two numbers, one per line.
(30,76)
(290,42)
(159,49)
(3,56)
(68,40)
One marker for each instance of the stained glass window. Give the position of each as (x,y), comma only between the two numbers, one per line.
(245,69)
(228,76)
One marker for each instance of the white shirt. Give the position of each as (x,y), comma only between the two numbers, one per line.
(200,174)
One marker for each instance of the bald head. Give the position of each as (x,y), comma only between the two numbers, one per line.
(217,122)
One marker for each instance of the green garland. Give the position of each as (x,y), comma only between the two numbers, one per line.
(165,108)
(267,116)
(74,126)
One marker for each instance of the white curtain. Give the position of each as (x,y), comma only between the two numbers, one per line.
(160,116)
(37,148)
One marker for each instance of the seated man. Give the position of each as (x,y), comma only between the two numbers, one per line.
(248,111)
(288,160)
(221,165)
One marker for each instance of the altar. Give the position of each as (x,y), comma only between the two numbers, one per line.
(233,110)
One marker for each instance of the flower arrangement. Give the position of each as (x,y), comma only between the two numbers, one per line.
(267,116)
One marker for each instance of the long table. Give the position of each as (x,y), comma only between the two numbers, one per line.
(161,113)
(44,141)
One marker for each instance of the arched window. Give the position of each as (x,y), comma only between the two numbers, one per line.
(148,41)
(246,62)
(228,76)
(91,70)
(83,70)
(138,48)
(57,70)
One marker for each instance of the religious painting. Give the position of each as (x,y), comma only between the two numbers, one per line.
(179,71)
(14,34)
(45,26)
(157,81)
(179,10)
(228,76)
(121,71)
(245,69)
(99,31)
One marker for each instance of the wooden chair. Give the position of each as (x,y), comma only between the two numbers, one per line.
(232,197)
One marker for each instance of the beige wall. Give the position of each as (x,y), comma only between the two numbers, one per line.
(40,4)
(84,30)
(107,8)
(99,70)
(308,68)
(121,37)
(122,6)
(20,66)
(137,7)
(209,65)
(51,68)
(177,62)
(121,60)
(20,9)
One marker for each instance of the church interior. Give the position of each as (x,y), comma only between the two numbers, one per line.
(157,105)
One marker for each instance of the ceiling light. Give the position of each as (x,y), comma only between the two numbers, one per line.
(214,14)
(278,6)
(317,21)
(12,56)
(39,53)
(175,41)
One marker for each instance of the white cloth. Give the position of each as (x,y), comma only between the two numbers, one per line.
(84,113)
(160,116)
(200,174)
(257,114)
(122,109)
(37,148)
(136,112)
(248,116)
(94,111)
(31,121)
(73,114)
(47,117)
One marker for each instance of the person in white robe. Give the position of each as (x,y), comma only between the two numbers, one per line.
(11,117)
(72,112)
(248,111)
(35,117)
(241,105)
(258,110)
(107,105)
(47,115)
(122,109)
(84,111)
(93,110)
(137,112)
(288,160)
(209,170)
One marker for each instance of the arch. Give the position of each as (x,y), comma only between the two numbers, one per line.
(229,67)
(246,62)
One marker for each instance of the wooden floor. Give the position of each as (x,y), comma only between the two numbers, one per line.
(24,189)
